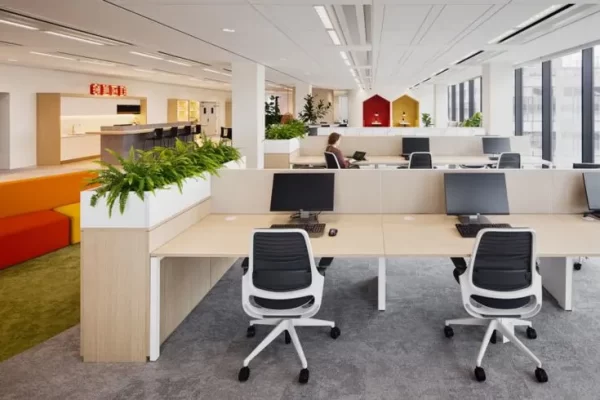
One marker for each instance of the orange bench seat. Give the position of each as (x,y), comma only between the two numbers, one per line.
(31,235)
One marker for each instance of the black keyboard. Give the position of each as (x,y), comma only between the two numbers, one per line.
(406,156)
(313,230)
(471,230)
(493,158)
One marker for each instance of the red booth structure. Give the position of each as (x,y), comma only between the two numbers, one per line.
(376,112)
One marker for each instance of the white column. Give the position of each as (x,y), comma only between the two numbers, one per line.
(248,111)
(302,90)
(440,117)
(498,86)
(355,107)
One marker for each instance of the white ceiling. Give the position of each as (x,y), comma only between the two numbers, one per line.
(397,42)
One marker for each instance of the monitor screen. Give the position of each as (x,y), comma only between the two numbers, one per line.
(307,192)
(412,145)
(591,181)
(476,193)
(496,145)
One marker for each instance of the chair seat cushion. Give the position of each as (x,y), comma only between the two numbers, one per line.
(283,304)
(502,304)
(31,235)
(73,212)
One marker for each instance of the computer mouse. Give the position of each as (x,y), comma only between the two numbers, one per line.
(333,232)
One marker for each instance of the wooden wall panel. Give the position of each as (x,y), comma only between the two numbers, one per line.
(48,129)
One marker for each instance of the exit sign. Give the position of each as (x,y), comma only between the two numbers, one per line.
(102,89)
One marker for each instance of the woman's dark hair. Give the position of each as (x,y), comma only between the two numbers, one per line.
(333,138)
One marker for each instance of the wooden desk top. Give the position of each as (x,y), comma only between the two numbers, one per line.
(392,235)
(398,160)
(436,235)
(216,236)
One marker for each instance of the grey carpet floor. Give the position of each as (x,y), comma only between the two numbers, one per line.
(397,354)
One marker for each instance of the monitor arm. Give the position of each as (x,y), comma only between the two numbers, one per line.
(476,219)
(306,217)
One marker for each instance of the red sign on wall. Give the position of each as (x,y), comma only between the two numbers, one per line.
(101,89)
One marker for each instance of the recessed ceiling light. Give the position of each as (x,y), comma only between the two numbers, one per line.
(347,62)
(228,30)
(12,60)
(334,37)
(146,55)
(51,55)
(344,55)
(322,12)
(63,35)
(147,71)
(179,63)
(353,72)
(18,25)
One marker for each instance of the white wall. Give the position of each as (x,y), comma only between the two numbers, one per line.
(425,95)
(327,96)
(23,84)
(4,131)
(498,90)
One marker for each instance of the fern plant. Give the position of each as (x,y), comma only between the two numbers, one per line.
(290,130)
(146,171)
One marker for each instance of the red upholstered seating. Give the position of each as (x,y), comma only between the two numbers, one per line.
(26,236)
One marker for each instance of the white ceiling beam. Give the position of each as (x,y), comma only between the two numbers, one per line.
(367,47)
(360,17)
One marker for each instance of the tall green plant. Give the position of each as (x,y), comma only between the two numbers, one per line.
(313,112)
(145,171)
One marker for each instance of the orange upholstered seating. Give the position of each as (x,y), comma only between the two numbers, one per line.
(43,193)
(27,236)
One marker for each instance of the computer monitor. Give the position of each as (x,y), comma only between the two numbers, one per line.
(304,192)
(413,145)
(496,145)
(468,195)
(591,181)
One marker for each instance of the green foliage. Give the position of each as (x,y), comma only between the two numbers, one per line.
(290,130)
(426,118)
(311,112)
(145,171)
(272,112)
(474,122)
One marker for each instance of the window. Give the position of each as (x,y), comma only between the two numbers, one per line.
(532,107)
(477,96)
(566,110)
(597,104)
(457,106)
(465,104)
(449,103)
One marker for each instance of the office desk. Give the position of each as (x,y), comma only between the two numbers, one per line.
(400,161)
(379,236)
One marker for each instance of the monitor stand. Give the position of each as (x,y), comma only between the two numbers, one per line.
(593,214)
(473,219)
(305,217)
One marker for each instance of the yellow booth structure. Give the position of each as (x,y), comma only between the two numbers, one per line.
(405,112)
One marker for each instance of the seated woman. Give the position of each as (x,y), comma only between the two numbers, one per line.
(333,147)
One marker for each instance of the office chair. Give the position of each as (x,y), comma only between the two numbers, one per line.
(331,161)
(420,160)
(282,287)
(172,135)
(500,286)
(155,136)
(578,264)
(186,133)
(509,161)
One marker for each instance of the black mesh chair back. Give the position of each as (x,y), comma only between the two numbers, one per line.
(586,166)
(503,263)
(331,161)
(198,129)
(281,263)
(509,161)
(420,161)
(172,133)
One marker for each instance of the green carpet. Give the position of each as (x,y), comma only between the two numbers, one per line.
(38,300)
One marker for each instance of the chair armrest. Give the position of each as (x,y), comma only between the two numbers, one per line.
(245,264)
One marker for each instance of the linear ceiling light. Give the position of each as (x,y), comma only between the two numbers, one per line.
(216,72)
(539,15)
(51,55)
(18,25)
(344,55)
(146,55)
(179,63)
(353,73)
(334,37)
(98,62)
(147,71)
(322,12)
(63,35)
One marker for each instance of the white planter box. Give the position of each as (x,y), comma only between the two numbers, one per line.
(154,209)
(281,146)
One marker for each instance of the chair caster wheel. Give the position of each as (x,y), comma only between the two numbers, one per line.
(480,374)
(531,333)
(494,338)
(335,332)
(244,374)
(288,338)
(541,375)
(251,332)
(303,378)
(577,266)
(448,331)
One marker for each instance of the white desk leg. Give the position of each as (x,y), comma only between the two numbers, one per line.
(557,278)
(154,308)
(381,285)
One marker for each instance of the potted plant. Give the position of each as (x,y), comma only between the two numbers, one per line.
(272,111)
(313,112)
(426,119)
(284,138)
(149,187)
(474,122)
